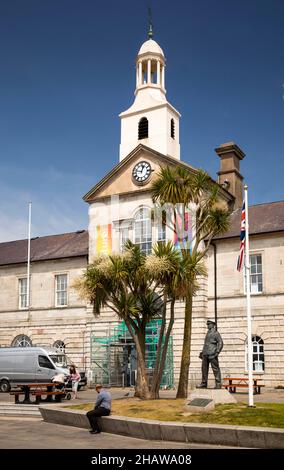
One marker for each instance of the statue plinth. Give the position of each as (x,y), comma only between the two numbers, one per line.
(219,395)
(198,405)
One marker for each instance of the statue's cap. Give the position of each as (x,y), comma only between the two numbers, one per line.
(210,321)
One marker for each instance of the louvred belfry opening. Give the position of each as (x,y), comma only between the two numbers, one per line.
(143,128)
(172,129)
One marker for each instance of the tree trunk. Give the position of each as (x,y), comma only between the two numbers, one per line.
(138,382)
(185,358)
(154,388)
(157,379)
(141,387)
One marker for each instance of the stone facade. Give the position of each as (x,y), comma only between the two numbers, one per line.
(44,323)
(267,306)
(74,324)
(114,201)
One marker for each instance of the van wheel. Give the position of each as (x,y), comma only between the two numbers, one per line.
(5,386)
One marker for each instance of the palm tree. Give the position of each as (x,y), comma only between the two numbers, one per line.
(111,281)
(175,275)
(122,283)
(179,190)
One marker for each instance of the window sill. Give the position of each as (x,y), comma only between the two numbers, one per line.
(255,373)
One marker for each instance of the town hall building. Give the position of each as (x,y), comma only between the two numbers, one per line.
(120,209)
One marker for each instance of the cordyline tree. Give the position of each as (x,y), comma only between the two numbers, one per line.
(178,190)
(174,274)
(138,288)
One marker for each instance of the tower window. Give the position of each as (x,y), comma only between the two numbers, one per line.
(172,128)
(143,128)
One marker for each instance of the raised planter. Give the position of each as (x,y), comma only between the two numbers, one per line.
(215,434)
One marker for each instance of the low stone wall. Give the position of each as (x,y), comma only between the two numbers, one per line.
(215,434)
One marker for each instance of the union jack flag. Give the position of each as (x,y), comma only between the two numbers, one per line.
(242,238)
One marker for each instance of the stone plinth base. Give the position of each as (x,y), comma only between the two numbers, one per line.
(199,405)
(219,395)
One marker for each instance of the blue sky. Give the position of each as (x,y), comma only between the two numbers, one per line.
(67,71)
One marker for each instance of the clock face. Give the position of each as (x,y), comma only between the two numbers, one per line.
(141,172)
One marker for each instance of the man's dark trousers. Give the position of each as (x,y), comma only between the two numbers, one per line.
(94,414)
(215,367)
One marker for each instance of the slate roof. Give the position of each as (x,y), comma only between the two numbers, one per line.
(263,218)
(67,245)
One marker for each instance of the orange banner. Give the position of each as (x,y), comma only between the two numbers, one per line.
(103,240)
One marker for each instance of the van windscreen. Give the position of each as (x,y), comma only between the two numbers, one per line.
(59,360)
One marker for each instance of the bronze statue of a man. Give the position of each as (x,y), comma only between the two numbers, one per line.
(213,345)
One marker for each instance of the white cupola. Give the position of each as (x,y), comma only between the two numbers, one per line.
(151,120)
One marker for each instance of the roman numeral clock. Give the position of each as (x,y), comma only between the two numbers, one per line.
(141,172)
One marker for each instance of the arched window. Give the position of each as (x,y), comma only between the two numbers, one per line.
(143,128)
(21,341)
(257,354)
(59,345)
(172,128)
(143,230)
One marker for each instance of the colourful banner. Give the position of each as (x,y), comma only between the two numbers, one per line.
(103,239)
(183,231)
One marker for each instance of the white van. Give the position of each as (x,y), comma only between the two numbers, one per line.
(30,365)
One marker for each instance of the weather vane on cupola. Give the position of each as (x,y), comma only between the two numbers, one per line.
(150,31)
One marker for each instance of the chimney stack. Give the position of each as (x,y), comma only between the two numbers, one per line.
(229,175)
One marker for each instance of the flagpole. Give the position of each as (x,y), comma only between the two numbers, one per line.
(29,256)
(249,326)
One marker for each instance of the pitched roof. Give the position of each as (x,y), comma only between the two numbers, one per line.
(141,148)
(263,218)
(45,248)
(137,150)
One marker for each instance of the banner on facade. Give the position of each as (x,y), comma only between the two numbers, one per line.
(104,239)
(183,231)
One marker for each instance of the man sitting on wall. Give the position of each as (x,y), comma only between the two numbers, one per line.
(102,408)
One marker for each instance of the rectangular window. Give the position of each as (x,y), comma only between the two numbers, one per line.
(123,237)
(61,290)
(256,284)
(257,355)
(256,274)
(143,235)
(23,293)
(161,232)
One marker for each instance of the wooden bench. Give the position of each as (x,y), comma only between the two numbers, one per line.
(17,393)
(58,395)
(232,383)
(37,390)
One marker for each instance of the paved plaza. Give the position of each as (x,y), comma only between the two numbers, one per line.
(33,433)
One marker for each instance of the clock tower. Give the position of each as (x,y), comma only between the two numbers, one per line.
(151,120)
